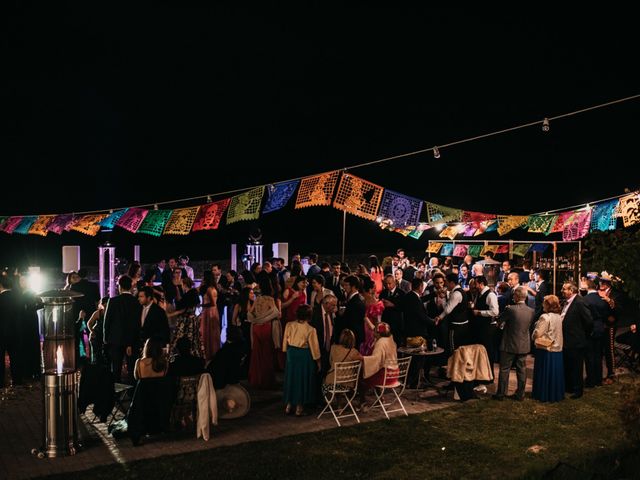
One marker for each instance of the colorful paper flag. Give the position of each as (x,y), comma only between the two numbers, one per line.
(468,217)
(60,222)
(358,197)
(521,249)
(132,219)
(210,215)
(541,223)
(245,206)
(510,222)
(603,217)
(278,195)
(154,222)
(10,224)
(564,219)
(579,225)
(113,218)
(181,221)
(317,190)
(629,209)
(400,209)
(449,232)
(460,250)
(434,247)
(24,226)
(489,249)
(502,249)
(89,224)
(440,213)
(474,250)
(469,230)
(39,227)
(539,247)
(447,249)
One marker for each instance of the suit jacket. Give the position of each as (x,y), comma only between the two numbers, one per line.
(577,324)
(155,325)
(405,286)
(353,319)
(600,311)
(502,276)
(416,320)
(517,320)
(393,315)
(408,273)
(336,289)
(91,293)
(122,321)
(543,291)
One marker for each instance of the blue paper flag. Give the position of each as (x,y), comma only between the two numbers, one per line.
(603,216)
(538,247)
(447,249)
(24,226)
(112,219)
(400,209)
(279,195)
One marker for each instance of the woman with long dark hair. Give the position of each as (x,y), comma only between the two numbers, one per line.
(153,363)
(376,272)
(210,316)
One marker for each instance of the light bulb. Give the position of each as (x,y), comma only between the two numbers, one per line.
(436,152)
(545,125)
(208,198)
(155,206)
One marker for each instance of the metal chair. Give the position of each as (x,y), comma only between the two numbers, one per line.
(626,357)
(345,382)
(395,380)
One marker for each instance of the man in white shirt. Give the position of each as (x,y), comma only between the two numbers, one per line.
(485,310)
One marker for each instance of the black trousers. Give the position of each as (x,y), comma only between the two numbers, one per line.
(574,359)
(594,362)
(117,353)
(10,346)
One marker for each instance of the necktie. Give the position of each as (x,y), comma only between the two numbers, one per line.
(335,281)
(327,331)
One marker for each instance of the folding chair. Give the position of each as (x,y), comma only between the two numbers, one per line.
(122,395)
(625,357)
(345,382)
(394,380)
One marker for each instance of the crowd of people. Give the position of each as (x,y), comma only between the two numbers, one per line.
(281,318)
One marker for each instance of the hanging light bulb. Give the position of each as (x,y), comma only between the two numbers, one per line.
(208,198)
(436,152)
(545,125)
(155,206)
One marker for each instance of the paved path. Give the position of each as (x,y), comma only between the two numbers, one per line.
(21,430)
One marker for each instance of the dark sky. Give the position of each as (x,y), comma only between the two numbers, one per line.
(109,108)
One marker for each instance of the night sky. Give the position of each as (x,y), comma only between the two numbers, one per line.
(111,108)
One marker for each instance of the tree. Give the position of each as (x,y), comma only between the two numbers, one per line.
(617,252)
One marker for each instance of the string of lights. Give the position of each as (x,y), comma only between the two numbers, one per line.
(544,123)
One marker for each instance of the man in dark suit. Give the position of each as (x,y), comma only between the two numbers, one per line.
(403,284)
(542,287)
(153,319)
(335,280)
(600,311)
(10,314)
(392,297)
(504,271)
(322,320)
(577,325)
(515,344)
(354,312)
(416,323)
(122,329)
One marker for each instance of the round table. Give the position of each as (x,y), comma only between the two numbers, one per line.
(423,374)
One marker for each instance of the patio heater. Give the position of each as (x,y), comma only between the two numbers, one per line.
(59,384)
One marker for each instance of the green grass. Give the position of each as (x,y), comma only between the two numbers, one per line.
(481,439)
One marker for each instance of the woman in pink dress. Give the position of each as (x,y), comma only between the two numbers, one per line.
(210,316)
(373,315)
(293,297)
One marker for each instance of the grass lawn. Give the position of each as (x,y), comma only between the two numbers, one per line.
(479,439)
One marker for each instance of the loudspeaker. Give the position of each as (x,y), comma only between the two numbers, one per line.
(70,258)
(281,250)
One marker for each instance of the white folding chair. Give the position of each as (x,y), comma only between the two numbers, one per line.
(395,380)
(345,383)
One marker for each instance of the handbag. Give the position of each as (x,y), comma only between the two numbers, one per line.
(543,342)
